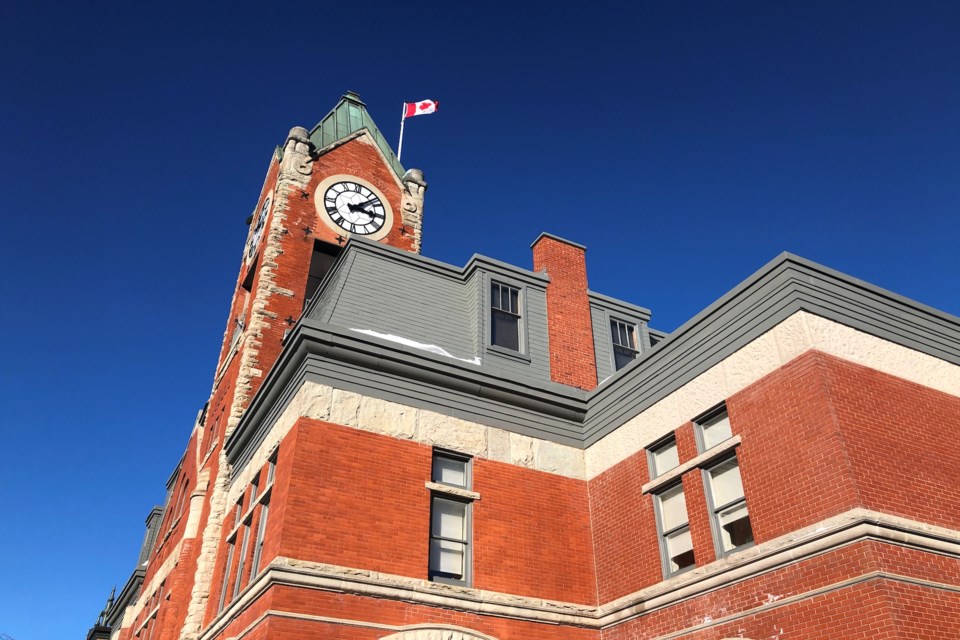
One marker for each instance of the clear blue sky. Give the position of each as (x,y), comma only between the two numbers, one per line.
(685,143)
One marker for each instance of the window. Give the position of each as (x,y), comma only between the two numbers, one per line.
(258,544)
(624,343)
(505,316)
(663,456)
(728,507)
(231,542)
(264,513)
(241,563)
(271,468)
(713,429)
(450,519)
(676,545)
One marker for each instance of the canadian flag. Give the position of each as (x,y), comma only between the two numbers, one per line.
(421,108)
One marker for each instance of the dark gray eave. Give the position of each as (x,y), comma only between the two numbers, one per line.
(126,597)
(784,286)
(545,234)
(619,306)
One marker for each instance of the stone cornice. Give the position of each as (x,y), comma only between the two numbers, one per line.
(857,525)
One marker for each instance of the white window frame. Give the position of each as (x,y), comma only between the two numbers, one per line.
(452,493)
(715,510)
(662,443)
(519,313)
(705,419)
(662,534)
(632,331)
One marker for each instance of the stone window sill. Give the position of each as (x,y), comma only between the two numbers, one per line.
(701,460)
(437,487)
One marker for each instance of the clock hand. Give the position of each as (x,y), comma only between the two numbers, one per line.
(360,208)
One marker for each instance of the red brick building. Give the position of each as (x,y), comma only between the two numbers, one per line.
(400,448)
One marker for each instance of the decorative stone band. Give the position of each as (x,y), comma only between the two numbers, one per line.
(410,632)
(321,402)
(854,526)
(147,590)
(792,337)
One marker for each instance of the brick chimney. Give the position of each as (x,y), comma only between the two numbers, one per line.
(572,359)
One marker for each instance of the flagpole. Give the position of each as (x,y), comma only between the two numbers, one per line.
(403,119)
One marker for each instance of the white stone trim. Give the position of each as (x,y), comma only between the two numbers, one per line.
(853,526)
(453,491)
(702,459)
(417,632)
(321,402)
(148,588)
(796,335)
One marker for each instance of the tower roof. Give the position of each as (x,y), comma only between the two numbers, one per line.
(349,116)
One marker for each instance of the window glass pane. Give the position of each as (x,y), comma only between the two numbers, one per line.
(505,330)
(449,519)
(673,508)
(665,457)
(725,483)
(450,471)
(715,430)
(679,550)
(735,527)
(447,557)
(622,357)
(514,301)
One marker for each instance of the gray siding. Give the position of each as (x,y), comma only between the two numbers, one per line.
(602,346)
(323,308)
(473,299)
(383,295)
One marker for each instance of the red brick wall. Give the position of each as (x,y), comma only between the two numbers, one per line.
(532,534)
(818,436)
(358,499)
(569,326)
(810,600)
(794,467)
(624,530)
(902,441)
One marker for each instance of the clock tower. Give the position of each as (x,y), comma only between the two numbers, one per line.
(339,180)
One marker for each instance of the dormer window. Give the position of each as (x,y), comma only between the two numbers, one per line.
(624,343)
(505,316)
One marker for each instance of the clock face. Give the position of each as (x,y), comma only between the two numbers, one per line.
(258,228)
(354,207)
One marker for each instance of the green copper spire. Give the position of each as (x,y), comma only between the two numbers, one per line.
(349,116)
